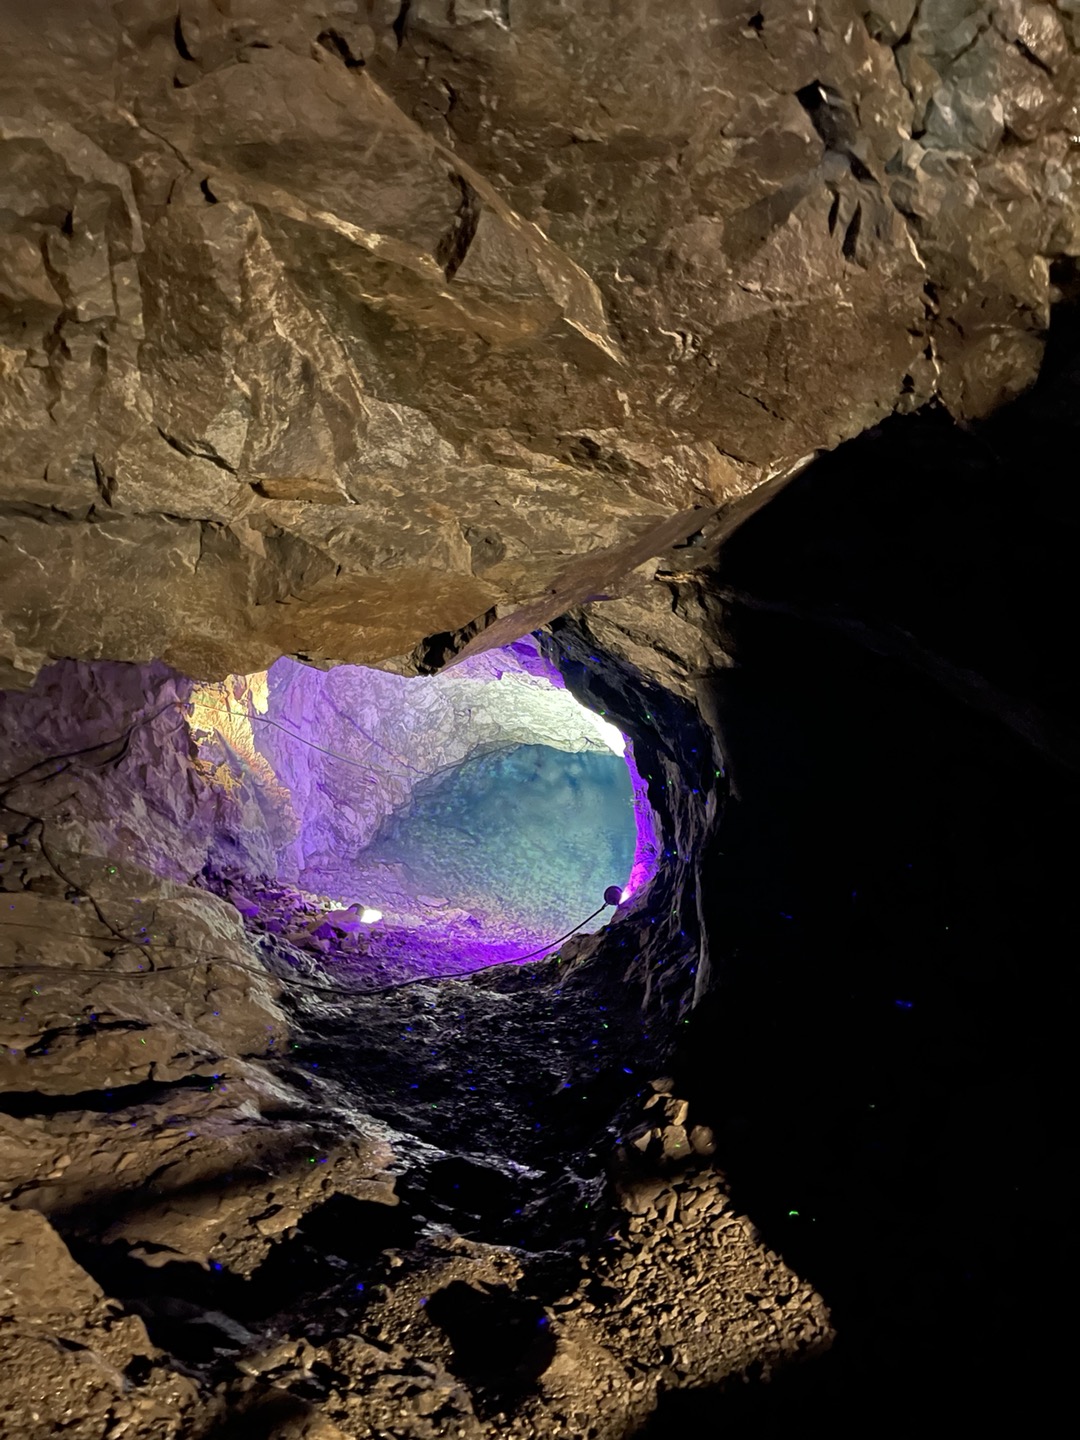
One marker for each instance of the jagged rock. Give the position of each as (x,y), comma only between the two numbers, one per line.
(69,1354)
(325,338)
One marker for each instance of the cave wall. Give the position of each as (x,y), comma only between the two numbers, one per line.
(287,776)
(362,333)
(397,732)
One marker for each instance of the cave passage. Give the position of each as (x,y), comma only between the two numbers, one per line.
(420,826)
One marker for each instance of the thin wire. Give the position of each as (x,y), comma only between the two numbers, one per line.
(265,720)
(27,968)
(550,945)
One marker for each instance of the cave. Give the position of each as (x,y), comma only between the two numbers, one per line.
(538,736)
(480,813)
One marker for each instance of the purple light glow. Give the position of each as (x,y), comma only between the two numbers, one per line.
(649,847)
(331,754)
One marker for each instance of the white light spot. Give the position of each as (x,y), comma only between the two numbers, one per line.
(603,729)
(357,912)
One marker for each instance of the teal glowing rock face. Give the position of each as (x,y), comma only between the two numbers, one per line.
(525,840)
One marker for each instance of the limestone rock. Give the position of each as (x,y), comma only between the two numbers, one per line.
(91,1005)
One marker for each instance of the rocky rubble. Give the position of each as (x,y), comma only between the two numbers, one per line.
(73,1362)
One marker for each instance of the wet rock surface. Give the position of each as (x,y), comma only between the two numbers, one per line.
(340,751)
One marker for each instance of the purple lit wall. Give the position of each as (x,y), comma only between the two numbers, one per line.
(295,773)
(334,754)
(649,847)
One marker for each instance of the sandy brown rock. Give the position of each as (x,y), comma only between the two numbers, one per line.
(328,335)
(159,991)
(68,1353)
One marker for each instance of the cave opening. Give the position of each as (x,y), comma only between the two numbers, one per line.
(209,841)
(409,827)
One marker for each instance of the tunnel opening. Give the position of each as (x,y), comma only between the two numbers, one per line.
(835,907)
(421,826)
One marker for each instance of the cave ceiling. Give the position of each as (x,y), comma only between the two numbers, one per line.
(328,328)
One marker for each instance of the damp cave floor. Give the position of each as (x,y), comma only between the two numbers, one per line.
(519,1067)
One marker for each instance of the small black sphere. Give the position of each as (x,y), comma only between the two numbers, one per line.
(613,895)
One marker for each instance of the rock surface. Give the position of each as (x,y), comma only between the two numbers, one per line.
(232,1141)
(395,733)
(72,1361)
(331,329)
(270,789)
